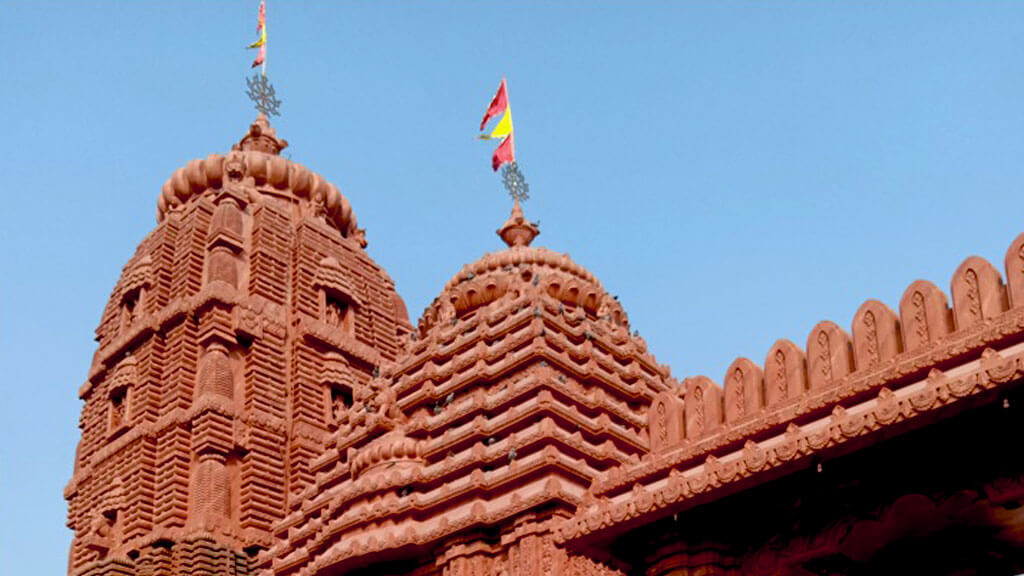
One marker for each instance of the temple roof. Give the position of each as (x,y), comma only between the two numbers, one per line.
(523,386)
(495,274)
(255,162)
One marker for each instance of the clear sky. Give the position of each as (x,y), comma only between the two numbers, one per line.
(733,171)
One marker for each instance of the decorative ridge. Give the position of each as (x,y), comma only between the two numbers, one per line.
(392,447)
(253,172)
(521,270)
(673,487)
(889,353)
(521,255)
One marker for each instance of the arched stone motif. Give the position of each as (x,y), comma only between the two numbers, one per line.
(224,236)
(977,291)
(785,374)
(743,392)
(227,219)
(828,355)
(876,334)
(1015,272)
(924,315)
(703,407)
(665,421)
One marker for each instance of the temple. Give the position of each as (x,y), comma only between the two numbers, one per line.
(260,404)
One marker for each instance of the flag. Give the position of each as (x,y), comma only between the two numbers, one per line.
(505,153)
(261,30)
(503,127)
(498,105)
(261,58)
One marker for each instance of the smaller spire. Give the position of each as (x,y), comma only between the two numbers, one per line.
(517,230)
(261,137)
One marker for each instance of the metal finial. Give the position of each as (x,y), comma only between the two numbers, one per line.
(515,182)
(263,95)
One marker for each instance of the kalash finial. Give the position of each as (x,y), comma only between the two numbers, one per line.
(262,138)
(517,230)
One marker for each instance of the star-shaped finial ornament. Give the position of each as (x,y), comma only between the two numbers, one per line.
(263,95)
(515,182)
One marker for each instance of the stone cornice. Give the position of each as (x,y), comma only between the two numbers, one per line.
(889,374)
(660,486)
(254,316)
(546,385)
(329,548)
(331,336)
(178,417)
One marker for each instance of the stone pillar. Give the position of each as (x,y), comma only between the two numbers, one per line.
(216,377)
(213,439)
(225,241)
(222,266)
(211,491)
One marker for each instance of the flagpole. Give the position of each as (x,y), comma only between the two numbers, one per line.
(267,41)
(261,91)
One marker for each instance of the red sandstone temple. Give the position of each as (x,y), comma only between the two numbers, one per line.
(260,404)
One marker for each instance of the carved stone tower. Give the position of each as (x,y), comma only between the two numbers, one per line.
(229,351)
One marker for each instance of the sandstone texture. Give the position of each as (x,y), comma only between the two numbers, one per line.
(260,404)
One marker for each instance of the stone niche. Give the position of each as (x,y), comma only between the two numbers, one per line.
(338,302)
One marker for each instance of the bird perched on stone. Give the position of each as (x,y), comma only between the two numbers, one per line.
(512,454)
(449,398)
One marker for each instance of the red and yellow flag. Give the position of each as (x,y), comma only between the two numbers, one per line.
(261,30)
(505,153)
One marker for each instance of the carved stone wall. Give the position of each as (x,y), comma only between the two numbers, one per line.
(206,399)
(896,373)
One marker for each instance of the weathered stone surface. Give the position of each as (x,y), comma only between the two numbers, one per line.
(828,355)
(924,315)
(785,373)
(743,390)
(876,335)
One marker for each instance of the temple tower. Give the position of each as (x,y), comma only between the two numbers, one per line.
(229,350)
(522,384)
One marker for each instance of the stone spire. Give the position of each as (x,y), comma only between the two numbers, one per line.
(196,435)
(517,230)
(261,137)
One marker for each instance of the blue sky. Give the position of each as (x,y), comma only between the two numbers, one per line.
(733,171)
